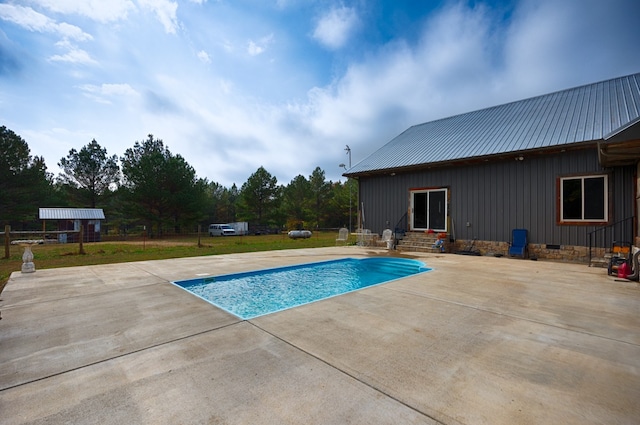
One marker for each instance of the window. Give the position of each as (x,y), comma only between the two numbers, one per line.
(583,199)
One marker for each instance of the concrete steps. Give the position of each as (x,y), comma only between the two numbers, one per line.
(602,261)
(419,242)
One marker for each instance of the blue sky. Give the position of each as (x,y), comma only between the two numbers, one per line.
(287,84)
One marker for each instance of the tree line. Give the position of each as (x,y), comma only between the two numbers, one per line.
(152,187)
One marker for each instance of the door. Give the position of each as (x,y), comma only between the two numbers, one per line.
(91,232)
(429,210)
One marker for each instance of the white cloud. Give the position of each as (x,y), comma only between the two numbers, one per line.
(74,55)
(28,18)
(72,32)
(334,28)
(98,10)
(455,66)
(227,46)
(104,93)
(204,56)
(407,84)
(165,11)
(216,116)
(106,11)
(56,142)
(460,64)
(111,89)
(547,46)
(255,48)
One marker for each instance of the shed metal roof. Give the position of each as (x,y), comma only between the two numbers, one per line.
(71,214)
(582,114)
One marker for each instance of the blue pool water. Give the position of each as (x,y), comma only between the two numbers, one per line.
(252,294)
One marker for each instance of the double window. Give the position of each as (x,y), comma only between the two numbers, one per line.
(584,199)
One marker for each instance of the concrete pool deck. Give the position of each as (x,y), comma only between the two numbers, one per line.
(478,340)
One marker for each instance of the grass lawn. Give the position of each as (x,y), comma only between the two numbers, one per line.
(55,255)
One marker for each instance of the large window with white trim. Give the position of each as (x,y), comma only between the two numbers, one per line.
(584,199)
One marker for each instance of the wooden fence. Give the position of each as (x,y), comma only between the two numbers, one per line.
(14,236)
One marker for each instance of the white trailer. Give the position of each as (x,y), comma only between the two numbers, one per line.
(241,227)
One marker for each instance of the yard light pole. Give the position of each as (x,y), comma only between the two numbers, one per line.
(348,149)
(349,183)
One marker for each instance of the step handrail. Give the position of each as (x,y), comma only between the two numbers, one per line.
(401,227)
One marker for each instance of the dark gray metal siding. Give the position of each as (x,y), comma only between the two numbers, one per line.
(496,197)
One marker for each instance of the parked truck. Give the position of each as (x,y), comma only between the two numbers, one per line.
(241,227)
(221,230)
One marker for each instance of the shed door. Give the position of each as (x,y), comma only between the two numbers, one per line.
(429,210)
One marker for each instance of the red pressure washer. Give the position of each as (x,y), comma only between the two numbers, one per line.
(621,252)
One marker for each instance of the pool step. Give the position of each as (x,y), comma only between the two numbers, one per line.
(395,269)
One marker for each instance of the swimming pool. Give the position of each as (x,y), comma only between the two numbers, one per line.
(252,294)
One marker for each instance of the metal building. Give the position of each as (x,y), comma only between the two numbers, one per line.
(72,218)
(562,165)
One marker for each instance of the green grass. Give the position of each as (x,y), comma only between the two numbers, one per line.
(51,256)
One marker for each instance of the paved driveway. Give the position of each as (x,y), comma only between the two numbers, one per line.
(478,340)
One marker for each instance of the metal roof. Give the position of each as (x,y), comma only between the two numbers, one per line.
(71,214)
(582,114)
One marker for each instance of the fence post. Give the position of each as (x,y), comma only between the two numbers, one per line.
(199,232)
(81,238)
(7,238)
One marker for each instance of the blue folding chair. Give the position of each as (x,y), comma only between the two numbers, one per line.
(519,242)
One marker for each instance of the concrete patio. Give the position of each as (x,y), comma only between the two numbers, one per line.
(478,340)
